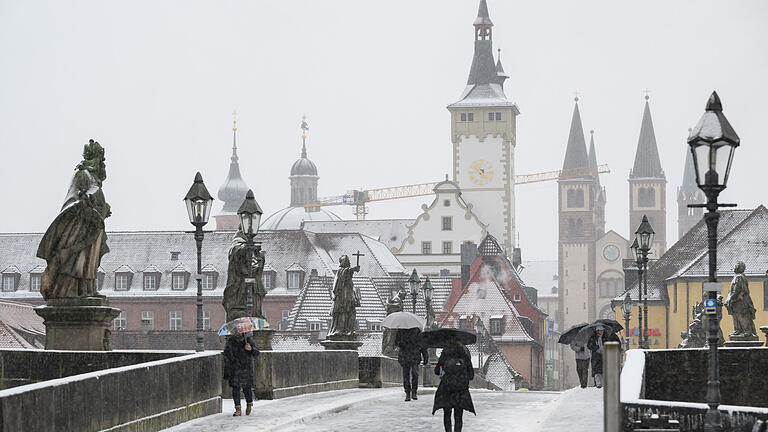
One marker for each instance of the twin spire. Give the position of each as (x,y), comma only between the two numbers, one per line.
(647,162)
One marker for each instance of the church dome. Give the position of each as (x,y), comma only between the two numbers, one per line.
(303,167)
(290,218)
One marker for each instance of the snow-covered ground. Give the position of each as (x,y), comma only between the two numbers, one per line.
(376,410)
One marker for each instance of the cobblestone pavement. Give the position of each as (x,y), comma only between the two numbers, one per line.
(378,410)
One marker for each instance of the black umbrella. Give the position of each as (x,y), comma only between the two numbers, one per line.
(584,334)
(439,338)
(567,337)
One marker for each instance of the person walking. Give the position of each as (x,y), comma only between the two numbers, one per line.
(582,362)
(596,344)
(238,369)
(455,369)
(410,354)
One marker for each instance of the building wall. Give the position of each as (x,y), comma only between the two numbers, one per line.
(657,213)
(575,261)
(520,357)
(610,250)
(491,144)
(273,308)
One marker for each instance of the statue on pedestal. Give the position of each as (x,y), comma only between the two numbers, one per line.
(346,299)
(395,304)
(740,307)
(235,298)
(76,316)
(75,242)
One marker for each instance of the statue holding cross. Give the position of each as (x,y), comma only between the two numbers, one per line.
(346,299)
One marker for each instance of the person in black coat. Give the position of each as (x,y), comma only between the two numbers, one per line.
(411,353)
(455,369)
(596,344)
(238,369)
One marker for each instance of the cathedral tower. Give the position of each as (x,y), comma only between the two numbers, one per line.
(688,193)
(483,136)
(580,225)
(648,187)
(232,191)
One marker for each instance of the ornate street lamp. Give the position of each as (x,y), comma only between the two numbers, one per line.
(638,257)
(712,144)
(644,238)
(199,203)
(427,290)
(250,217)
(626,309)
(480,330)
(414,283)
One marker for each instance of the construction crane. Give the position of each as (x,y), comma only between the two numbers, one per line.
(359,198)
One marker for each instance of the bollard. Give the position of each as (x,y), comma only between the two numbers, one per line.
(611,402)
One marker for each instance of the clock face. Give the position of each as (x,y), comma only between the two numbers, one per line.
(611,253)
(480,172)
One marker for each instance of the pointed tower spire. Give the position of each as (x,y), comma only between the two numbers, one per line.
(593,159)
(647,163)
(576,152)
(502,76)
(483,70)
(232,191)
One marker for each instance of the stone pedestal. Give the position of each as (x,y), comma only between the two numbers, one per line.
(263,339)
(743,343)
(764,329)
(341,343)
(80,324)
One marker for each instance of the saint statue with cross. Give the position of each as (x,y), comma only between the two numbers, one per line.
(346,299)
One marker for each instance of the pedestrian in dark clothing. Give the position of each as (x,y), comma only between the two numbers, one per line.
(455,369)
(238,369)
(582,362)
(410,354)
(596,344)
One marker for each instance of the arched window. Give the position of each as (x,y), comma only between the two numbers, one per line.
(610,284)
(575,198)
(646,197)
(571,227)
(579,227)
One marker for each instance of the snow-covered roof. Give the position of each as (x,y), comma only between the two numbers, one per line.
(389,231)
(291,218)
(20,326)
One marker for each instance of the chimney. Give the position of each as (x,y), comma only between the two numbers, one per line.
(313,272)
(469,253)
(517,258)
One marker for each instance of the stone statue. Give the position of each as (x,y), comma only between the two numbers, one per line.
(740,307)
(75,242)
(395,304)
(345,300)
(235,294)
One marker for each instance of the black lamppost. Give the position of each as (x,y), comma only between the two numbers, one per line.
(644,237)
(427,290)
(626,309)
(712,144)
(480,330)
(414,283)
(637,256)
(199,203)
(250,217)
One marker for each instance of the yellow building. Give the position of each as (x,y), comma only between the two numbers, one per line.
(675,279)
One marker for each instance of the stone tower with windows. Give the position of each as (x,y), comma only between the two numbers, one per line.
(688,193)
(648,187)
(581,204)
(304,179)
(483,137)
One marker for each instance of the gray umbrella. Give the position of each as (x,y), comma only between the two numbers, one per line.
(567,336)
(403,320)
(584,334)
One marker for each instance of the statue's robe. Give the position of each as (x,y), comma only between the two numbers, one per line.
(75,242)
(345,301)
(740,306)
(235,298)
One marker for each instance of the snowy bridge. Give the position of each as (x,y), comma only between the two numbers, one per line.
(375,410)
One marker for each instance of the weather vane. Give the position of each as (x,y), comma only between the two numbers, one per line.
(234,120)
(646,94)
(576,95)
(304,126)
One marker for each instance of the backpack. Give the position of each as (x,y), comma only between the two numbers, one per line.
(455,376)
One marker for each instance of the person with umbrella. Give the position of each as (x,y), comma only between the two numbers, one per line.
(596,344)
(580,348)
(411,353)
(238,370)
(456,371)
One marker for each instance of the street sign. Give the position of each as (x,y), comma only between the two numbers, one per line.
(710,306)
(250,280)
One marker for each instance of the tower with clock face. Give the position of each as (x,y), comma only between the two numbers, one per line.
(483,137)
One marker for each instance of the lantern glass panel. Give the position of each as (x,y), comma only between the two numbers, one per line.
(723,162)
(246,220)
(701,162)
(414,288)
(635,252)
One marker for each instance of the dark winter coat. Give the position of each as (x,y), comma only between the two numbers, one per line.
(238,368)
(453,391)
(411,352)
(597,353)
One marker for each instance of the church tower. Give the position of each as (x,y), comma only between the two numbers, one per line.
(648,187)
(232,191)
(483,137)
(600,195)
(688,193)
(580,224)
(304,176)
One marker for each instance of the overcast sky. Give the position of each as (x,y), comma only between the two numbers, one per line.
(156,82)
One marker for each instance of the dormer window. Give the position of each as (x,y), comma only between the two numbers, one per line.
(175,255)
(496,325)
(10,278)
(179,278)
(36,278)
(374,326)
(210,277)
(150,282)
(123,278)
(294,276)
